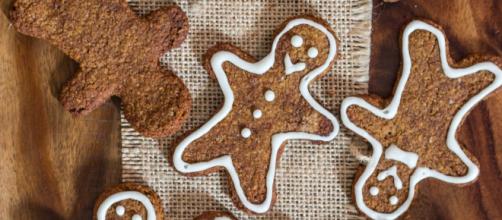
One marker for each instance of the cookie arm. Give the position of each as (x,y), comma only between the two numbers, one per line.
(168,28)
(87,90)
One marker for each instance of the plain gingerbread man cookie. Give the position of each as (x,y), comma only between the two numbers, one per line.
(118,54)
(267,102)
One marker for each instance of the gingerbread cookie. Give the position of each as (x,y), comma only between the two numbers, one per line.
(129,201)
(267,102)
(118,54)
(216,215)
(413,134)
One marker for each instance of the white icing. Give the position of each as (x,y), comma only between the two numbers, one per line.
(393,152)
(246,132)
(390,112)
(117,197)
(269,95)
(392,171)
(374,191)
(393,200)
(222,218)
(296,41)
(289,67)
(257,114)
(136,217)
(120,210)
(277,140)
(312,52)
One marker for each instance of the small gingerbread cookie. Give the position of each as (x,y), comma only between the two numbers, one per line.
(129,201)
(216,215)
(267,102)
(413,134)
(118,54)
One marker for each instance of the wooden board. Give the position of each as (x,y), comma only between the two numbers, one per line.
(52,166)
(472,26)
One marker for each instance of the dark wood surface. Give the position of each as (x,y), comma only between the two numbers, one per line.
(472,27)
(52,166)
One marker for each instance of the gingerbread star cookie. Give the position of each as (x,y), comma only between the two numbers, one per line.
(118,53)
(267,102)
(413,134)
(129,201)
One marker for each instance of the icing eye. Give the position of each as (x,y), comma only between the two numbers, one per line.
(296,41)
(137,217)
(312,52)
(120,210)
(393,200)
(374,190)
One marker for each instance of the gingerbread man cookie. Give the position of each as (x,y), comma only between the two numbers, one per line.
(413,134)
(267,102)
(118,54)
(129,201)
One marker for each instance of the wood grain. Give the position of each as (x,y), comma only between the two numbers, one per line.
(472,27)
(52,166)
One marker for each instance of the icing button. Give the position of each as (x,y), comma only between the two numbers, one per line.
(269,95)
(296,41)
(246,133)
(257,113)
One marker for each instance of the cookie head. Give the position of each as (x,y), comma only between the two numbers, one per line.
(129,201)
(303,48)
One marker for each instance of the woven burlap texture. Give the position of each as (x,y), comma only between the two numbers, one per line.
(313,180)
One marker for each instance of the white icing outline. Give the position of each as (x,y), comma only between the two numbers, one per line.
(393,152)
(392,172)
(258,68)
(117,197)
(391,110)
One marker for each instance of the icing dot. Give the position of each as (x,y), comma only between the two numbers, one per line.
(120,210)
(374,191)
(246,132)
(257,113)
(136,217)
(297,41)
(312,52)
(269,95)
(393,200)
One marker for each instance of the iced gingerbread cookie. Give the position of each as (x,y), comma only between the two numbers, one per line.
(118,53)
(267,102)
(129,201)
(413,134)
(216,215)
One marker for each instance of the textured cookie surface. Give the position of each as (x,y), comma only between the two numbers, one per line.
(413,133)
(129,201)
(215,215)
(266,103)
(118,53)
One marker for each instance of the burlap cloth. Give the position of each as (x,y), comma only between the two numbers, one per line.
(314,180)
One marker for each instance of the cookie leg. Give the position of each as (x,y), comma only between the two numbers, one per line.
(87,91)
(156,103)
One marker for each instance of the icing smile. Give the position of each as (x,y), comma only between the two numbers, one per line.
(290,67)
